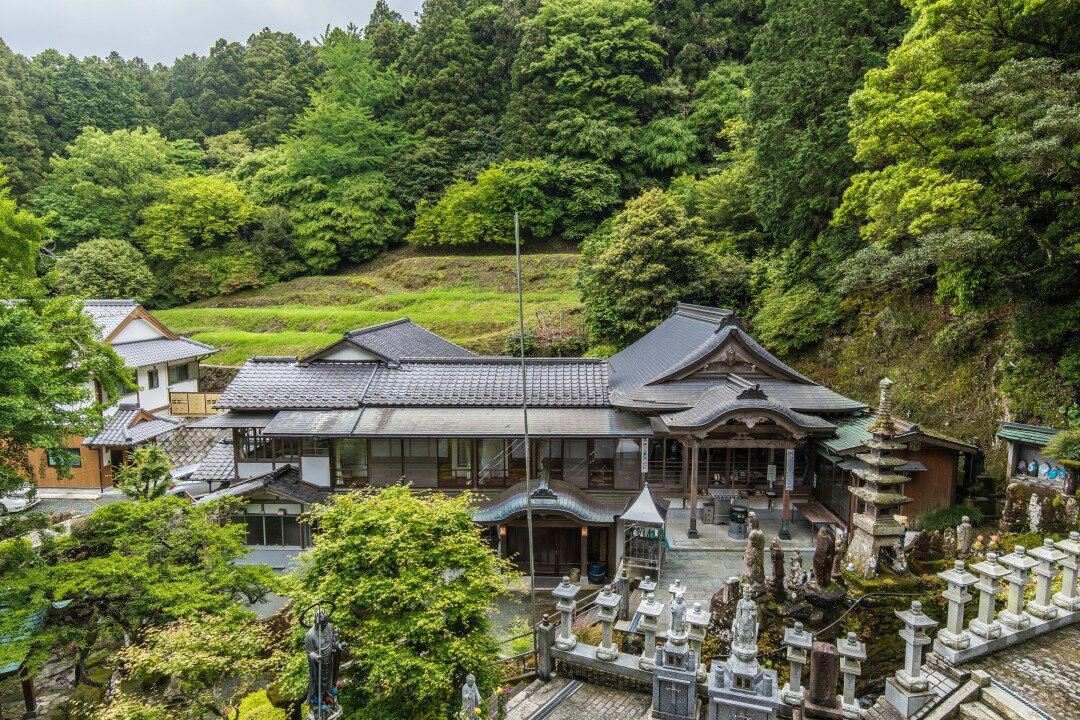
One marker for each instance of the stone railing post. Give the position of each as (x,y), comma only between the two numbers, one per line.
(609,608)
(990,574)
(798,643)
(650,613)
(908,689)
(1069,598)
(1048,556)
(624,593)
(697,621)
(959,580)
(566,592)
(647,585)
(545,638)
(1019,577)
(852,653)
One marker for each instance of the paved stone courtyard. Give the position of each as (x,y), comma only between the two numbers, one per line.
(589,702)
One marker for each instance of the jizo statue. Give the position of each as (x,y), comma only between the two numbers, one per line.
(323,649)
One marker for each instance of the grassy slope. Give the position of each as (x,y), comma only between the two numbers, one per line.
(471,300)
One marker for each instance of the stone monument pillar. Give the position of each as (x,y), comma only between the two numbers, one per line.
(798,643)
(1019,577)
(990,574)
(754,563)
(824,553)
(877,534)
(908,689)
(820,701)
(776,554)
(739,689)
(624,593)
(697,621)
(959,580)
(566,592)
(650,612)
(852,653)
(1049,557)
(675,672)
(964,537)
(1068,598)
(609,608)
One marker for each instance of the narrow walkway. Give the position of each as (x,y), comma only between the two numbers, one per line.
(563,699)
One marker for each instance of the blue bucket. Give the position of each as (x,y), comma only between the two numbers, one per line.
(597,571)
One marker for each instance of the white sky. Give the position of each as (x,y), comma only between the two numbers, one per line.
(161,30)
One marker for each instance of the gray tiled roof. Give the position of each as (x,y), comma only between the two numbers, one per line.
(567,499)
(108,314)
(218,463)
(283,383)
(118,430)
(283,482)
(149,352)
(403,338)
(684,394)
(235,419)
(722,400)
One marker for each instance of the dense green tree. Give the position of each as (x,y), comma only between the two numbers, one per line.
(388,33)
(194,212)
(180,123)
(278,73)
(412,580)
(102,183)
(20,149)
(105,268)
(805,62)
(635,269)
(146,474)
(696,35)
(718,100)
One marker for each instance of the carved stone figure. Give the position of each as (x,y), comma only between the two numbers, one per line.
(744,628)
(964,537)
(838,558)
(824,553)
(678,618)
(937,546)
(1072,513)
(1013,516)
(921,546)
(323,648)
(1035,513)
(776,554)
(948,543)
(796,578)
(470,697)
(752,521)
(754,563)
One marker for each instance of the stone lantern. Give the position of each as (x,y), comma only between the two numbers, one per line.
(609,608)
(908,690)
(1049,557)
(798,643)
(566,592)
(1019,577)
(990,574)
(852,653)
(650,611)
(1069,598)
(959,580)
(697,621)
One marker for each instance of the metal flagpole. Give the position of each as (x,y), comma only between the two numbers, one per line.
(525,421)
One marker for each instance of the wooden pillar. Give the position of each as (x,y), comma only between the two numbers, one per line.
(693,532)
(584,541)
(785,518)
(29,696)
(500,535)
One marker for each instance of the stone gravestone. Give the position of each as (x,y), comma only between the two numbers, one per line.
(838,558)
(820,701)
(1034,511)
(824,553)
(739,689)
(1072,513)
(675,672)
(948,543)
(776,554)
(1013,516)
(795,579)
(754,563)
(731,590)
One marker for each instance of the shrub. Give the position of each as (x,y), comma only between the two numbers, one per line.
(1065,446)
(104,268)
(257,706)
(945,517)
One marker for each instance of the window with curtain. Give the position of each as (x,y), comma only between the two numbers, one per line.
(455,462)
(351,463)
(493,470)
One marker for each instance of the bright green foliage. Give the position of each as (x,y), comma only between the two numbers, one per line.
(696,35)
(102,183)
(21,237)
(194,212)
(565,199)
(413,580)
(581,82)
(1064,446)
(146,474)
(104,268)
(635,269)
(806,61)
(225,151)
(209,664)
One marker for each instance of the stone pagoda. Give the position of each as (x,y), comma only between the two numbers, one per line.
(877,534)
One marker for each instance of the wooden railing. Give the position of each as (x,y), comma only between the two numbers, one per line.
(193,404)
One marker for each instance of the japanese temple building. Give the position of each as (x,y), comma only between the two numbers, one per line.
(694,404)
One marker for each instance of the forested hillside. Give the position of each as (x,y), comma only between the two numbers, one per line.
(838,171)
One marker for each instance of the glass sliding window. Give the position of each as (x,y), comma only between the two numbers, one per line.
(493,462)
(179,373)
(627,464)
(549,452)
(272,526)
(455,462)
(255,534)
(317,447)
(517,460)
(351,463)
(292,531)
(421,462)
(152,380)
(253,446)
(576,462)
(602,467)
(386,457)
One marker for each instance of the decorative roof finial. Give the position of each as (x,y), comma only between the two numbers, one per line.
(885,402)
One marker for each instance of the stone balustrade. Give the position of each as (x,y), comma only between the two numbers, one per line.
(1020,619)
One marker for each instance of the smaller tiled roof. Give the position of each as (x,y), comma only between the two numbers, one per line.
(723,400)
(403,338)
(1027,434)
(852,432)
(283,482)
(559,497)
(108,314)
(272,382)
(217,465)
(150,352)
(125,428)
(15,645)
(235,419)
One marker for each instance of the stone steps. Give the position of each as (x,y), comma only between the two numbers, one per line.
(977,711)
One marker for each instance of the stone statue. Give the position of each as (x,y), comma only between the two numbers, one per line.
(752,521)
(470,697)
(1035,513)
(824,554)
(921,545)
(1072,513)
(964,537)
(776,553)
(838,558)
(744,629)
(730,591)
(796,578)
(754,563)
(1013,515)
(1050,516)
(937,546)
(323,648)
(678,618)
(948,543)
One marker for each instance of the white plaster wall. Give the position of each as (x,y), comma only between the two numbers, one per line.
(349,352)
(251,469)
(149,399)
(315,471)
(191,385)
(137,329)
